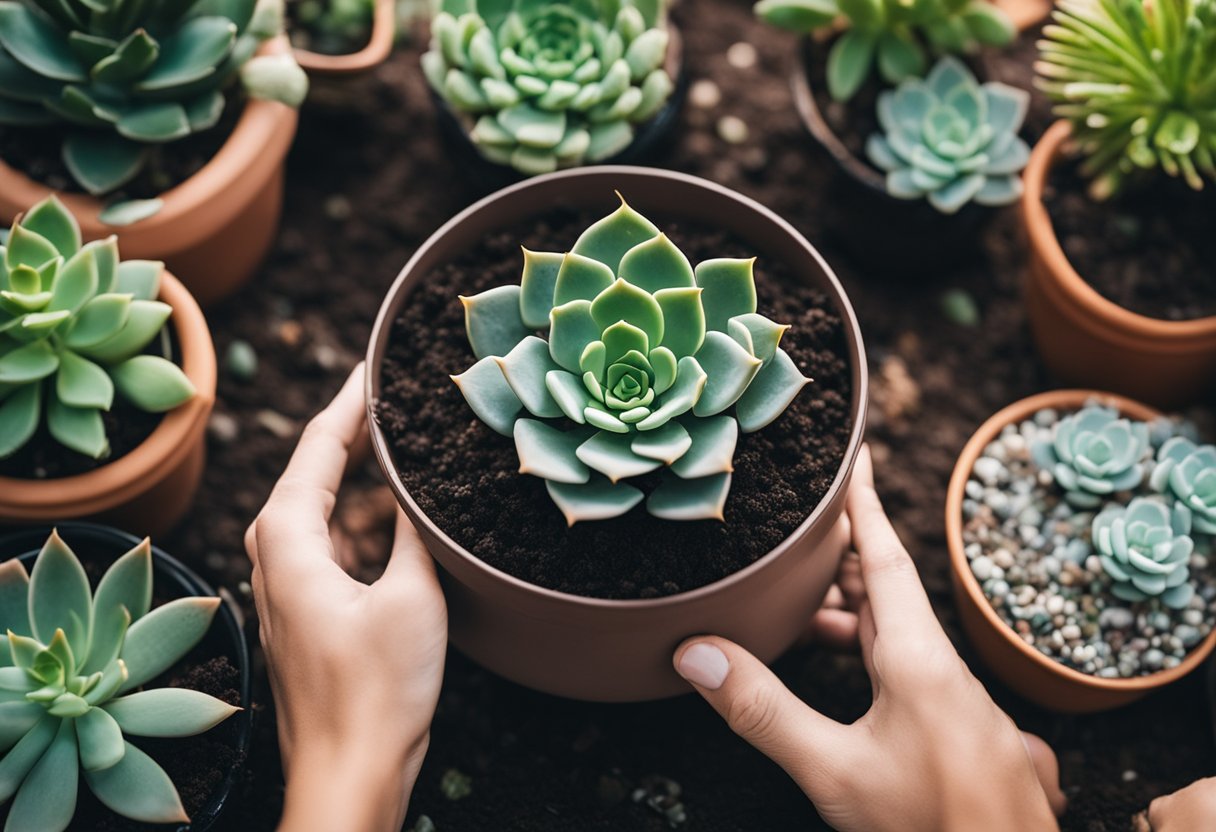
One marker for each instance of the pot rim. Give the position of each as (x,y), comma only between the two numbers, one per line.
(264,128)
(377,49)
(162,451)
(1016,412)
(1047,151)
(382,329)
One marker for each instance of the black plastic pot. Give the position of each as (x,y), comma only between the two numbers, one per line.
(648,138)
(888,237)
(170,577)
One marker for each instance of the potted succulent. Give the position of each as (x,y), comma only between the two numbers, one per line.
(115,658)
(342,37)
(926,160)
(630,452)
(146,128)
(534,87)
(103,408)
(1121,292)
(1080,528)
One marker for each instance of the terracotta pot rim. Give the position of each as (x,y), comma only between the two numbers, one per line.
(377,49)
(1047,151)
(1016,412)
(169,443)
(260,122)
(381,331)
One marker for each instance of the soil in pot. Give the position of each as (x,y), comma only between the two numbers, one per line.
(315,26)
(1030,551)
(1151,250)
(466,478)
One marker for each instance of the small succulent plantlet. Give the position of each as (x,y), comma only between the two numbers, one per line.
(1187,473)
(1134,77)
(333,24)
(1146,551)
(74,325)
(1093,454)
(896,36)
(68,688)
(653,365)
(548,85)
(950,139)
(124,76)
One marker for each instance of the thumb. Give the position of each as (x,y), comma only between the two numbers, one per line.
(761,710)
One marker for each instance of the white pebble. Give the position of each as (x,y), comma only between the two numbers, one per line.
(741,55)
(732,129)
(705,94)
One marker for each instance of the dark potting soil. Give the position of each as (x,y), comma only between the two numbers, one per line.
(1150,250)
(466,477)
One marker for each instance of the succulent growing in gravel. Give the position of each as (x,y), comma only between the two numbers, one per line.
(547,85)
(74,325)
(653,364)
(124,75)
(896,35)
(1146,551)
(68,687)
(951,139)
(1094,453)
(1135,79)
(1187,472)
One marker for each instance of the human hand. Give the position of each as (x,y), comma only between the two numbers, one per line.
(355,669)
(934,752)
(1183,811)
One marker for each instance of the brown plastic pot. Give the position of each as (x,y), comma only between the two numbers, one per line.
(374,53)
(610,650)
(149,489)
(1018,665)
(215,228)
(1085,338)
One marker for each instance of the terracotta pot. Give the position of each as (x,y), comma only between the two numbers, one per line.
(1018,665)
(215,228)
(173,578)
(1085,338)
(608,650)
(150,488)
(374,53)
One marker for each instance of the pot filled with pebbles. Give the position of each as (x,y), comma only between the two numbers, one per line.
(1080,527)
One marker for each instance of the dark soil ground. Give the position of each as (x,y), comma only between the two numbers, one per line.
(368,182)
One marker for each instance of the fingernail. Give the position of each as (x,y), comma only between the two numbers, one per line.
(704,665)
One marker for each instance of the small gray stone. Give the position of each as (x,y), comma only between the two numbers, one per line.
(241,360)
(989,471)
(1046,417)
(982,567)
(1153,659)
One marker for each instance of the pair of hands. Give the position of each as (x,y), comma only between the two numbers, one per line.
(356,671)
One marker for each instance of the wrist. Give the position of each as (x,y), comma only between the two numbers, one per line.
(977,809)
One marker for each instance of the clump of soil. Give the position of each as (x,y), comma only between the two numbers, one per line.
(466,477)
(1151,250)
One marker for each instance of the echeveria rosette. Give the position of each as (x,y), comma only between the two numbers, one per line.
(68,688)
(1187,473)
(124,75)
(649,364)
(951,140)
(547,85)
(1146,550)
(1093,454)
(74,325)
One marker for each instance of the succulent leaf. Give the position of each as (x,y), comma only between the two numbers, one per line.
(525,368)
(770,393)
(547,452)
(1186,473)
(124,594)
(696,499)
(1094,453)
(14,597)
(1145,550)
(711,447)
(138,788)
(730,369)
(159,639)
(729,289)
(537,287)
(493,321)
(152,383)
(168,712)
(100,739)
(580,278)
(598,499)
(59,595)
(46,800)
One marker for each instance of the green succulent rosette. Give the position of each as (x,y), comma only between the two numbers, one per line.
(649,365)
(1187,472)
(1093,454)
(72,679)
(1146,550)
(545,85)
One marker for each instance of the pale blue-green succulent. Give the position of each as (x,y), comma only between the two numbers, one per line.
(1094,453)
(1146,550)
(649,364)
(545,85)
(1187,472)
(69,688)
(74,325)
(951,140)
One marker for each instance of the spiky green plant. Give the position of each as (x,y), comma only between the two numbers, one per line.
(1094,453)
(1186,472)
(1146,550)
(950,139)
(122,76)
(74,324)
(1137,80)
(68,688)
(544,85)
(653,365)
(895,36)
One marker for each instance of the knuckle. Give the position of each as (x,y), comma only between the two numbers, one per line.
(753,714)
(889,560)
